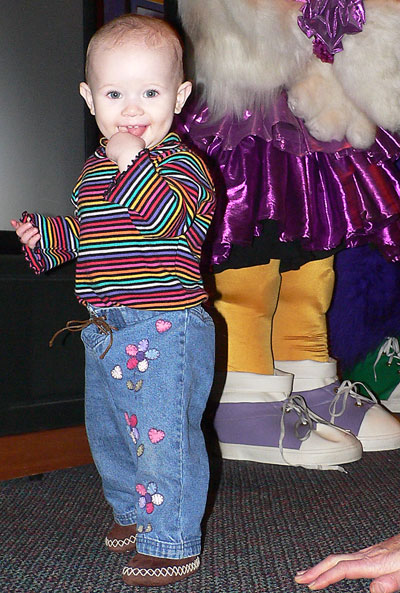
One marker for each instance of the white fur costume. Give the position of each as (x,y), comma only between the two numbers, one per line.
(247,51)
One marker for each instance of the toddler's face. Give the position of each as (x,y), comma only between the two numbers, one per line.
(134,89)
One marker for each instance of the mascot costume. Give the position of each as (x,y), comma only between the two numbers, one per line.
(364,321)
(298,104)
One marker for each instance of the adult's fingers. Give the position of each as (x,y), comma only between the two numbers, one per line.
(323,567)
(389,583)
(366,568)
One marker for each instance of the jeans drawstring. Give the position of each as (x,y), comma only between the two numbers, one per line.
(78,325)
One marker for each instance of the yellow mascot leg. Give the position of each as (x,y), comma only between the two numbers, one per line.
(299,326)
(246,300)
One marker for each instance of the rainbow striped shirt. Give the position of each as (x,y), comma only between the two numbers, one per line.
(137,234)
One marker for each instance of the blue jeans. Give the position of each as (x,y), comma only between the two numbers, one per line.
(144,404)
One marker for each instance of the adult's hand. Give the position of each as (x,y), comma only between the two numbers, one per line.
(380,562)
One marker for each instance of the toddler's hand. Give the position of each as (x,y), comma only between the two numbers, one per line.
(123,148)
(27,233)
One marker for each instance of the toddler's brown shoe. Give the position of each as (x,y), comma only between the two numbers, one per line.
(150,571)
(121,538)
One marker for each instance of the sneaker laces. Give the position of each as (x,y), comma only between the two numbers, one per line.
(343,392)
(306,417)
(391,349)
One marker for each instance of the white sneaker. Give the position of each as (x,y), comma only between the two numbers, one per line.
(343,405)
(258,419)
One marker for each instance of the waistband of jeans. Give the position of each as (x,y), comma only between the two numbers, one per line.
(120,316)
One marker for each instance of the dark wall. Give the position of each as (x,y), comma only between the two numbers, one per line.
(41,387)
(46,133)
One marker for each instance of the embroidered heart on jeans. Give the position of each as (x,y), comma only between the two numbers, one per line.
(163,326)
(156,436)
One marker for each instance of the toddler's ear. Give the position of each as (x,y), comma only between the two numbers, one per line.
(183,93)
(86,93)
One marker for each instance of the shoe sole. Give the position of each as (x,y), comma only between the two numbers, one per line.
(157,577)
(384,443)
(292,457)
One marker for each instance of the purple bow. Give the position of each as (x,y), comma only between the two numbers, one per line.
(328,21)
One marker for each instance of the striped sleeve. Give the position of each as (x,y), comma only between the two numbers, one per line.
(58,241)
(189,175)
(162,198)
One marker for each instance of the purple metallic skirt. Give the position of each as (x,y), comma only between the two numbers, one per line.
(321,195)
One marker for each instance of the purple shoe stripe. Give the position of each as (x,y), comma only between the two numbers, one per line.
(256,424)
(319,400)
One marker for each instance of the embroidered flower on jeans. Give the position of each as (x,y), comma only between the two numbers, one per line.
(140,355)
(149,497)
(116,372)
(132,422)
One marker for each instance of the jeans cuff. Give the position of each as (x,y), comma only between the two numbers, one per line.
(152,547)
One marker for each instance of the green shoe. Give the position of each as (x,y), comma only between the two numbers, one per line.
(380,372)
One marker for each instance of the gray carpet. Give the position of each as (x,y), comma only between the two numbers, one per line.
(264,523)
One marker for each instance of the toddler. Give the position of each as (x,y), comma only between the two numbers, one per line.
(143,204)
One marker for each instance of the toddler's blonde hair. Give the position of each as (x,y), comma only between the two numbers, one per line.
(153,32)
